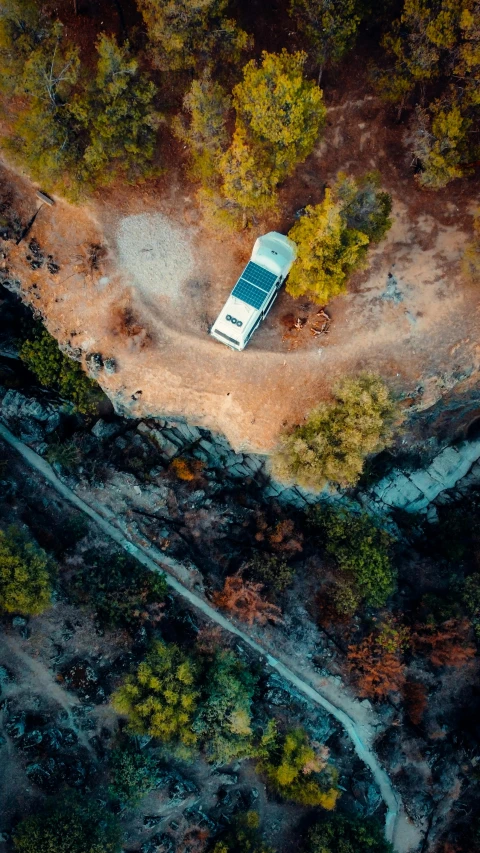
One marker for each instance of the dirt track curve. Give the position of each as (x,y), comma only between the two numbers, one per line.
(398,828)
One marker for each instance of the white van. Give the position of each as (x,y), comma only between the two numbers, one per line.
(254,293)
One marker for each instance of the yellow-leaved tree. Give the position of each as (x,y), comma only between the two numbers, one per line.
(187,33)
(282,110)
(202,126)
(279,114)
(331,446)
(118,118)
(439,142)
(327,251)
(160,699)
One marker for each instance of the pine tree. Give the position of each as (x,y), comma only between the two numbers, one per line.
(188,33)
(117,115)
(223,720)
(160,699)
(204,131)
(329,25)
(327,252)
(439,142)
(332,444)
(44,137)
(282,111)
(23,27)
(25,585)
(296,769)
(364,207)
(249,180)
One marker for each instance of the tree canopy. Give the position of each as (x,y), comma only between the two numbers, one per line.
(223,720)
(332,238)
(329,25)
(279,109)
(25,582)
(117,117)
(68,824)
(161,698)
(360,548)
(336,438)
(297,770)
(56,370)
(186,33)
(340,834)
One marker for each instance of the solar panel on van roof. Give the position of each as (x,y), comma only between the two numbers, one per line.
(259,276)
(254,285)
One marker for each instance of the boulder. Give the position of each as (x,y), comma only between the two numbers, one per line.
(33,417)
(104,430)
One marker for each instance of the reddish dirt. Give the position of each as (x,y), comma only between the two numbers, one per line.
(417,328)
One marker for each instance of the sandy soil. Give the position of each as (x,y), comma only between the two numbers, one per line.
(409,316)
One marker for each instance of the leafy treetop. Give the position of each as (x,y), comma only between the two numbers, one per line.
(340,834)
(336,438)
(188,33)
(68,824)
(297,769)
(25,583)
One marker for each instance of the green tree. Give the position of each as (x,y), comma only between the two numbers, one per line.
(327,252)
(360,548)
(117,115)
(223,720)
(133,774)
(281,111)
(161,698)
(123,593)
(249,180)
(364,206)
(297,770)
(439,142)
(204,131)
(336,438)
(271,570)
(419,42)
(22,29)
(187,33)
(25,584)
(56,370)
(339,834)
(68,824)
(329,25)
(44,136)
(243,836)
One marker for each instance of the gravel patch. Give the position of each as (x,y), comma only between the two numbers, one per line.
(156,253)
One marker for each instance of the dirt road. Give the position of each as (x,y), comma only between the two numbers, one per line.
(326,693)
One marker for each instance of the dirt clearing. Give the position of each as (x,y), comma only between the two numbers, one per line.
(156,254)
(409,315)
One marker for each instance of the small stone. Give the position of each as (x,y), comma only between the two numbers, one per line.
(18,622)
(110,366)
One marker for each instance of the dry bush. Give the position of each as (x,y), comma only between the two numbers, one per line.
(126,324)
(244,599)
(187,469)
(282,536)
(448,644)
(415,696)
(377,662)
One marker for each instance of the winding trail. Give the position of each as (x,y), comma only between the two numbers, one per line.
(398,828)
